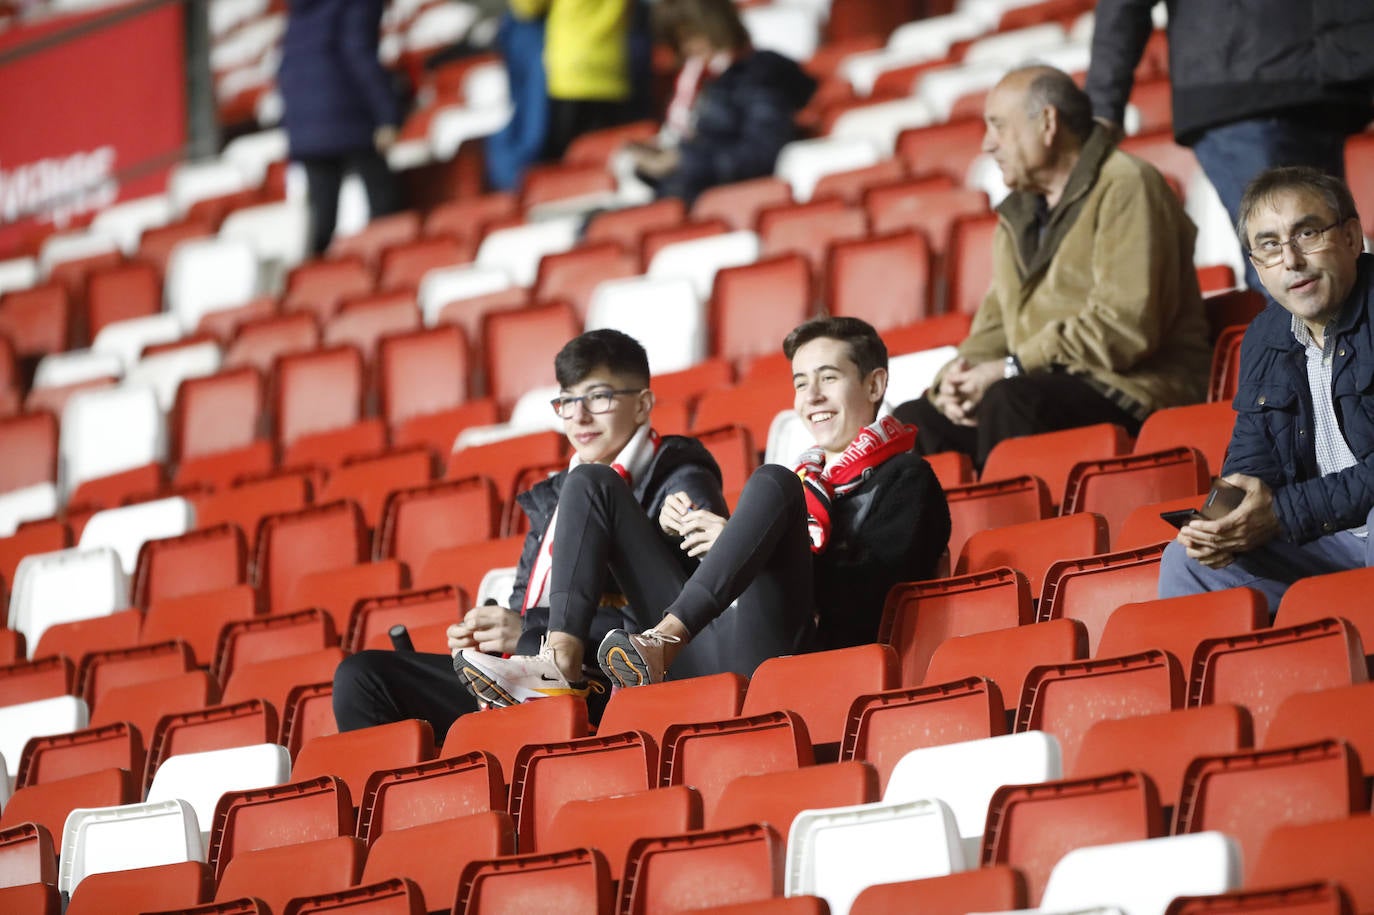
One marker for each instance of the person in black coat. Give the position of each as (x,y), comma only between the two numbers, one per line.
(742,113)
(341,113)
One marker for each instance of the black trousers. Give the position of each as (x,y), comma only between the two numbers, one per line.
(570,118)
(762,557)
(324,175)
(760,563)
(1025,405)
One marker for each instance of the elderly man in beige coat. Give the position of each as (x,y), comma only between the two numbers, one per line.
(1094,313)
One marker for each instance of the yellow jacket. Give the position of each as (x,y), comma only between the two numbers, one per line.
(585,47)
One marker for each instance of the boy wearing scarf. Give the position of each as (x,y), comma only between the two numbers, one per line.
(805,562)
(605,404)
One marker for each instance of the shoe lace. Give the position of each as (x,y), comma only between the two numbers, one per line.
(659,637)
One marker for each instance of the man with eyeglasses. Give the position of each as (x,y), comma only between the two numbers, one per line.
(805,561)
(606,407)
(1303,445)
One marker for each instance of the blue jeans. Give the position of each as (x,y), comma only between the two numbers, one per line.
(1233,154)
(1270,569)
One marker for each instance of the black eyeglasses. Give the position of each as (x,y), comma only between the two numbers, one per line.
(1269,253)
(595,402)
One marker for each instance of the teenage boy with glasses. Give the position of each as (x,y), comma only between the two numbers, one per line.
(1303,445)
(606,407)
(805,562)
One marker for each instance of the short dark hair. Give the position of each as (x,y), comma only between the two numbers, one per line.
(866,348)
(1293,178)
(1053,88)
(717,21)
(618,352)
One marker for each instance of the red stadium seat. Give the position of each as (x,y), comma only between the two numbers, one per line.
(321,286)
(1090,589)
(754,306)
(317,392)
(885,280)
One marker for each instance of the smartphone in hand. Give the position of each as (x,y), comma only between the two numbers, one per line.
(1221,500)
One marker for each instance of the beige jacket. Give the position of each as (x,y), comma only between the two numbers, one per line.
(1110,290)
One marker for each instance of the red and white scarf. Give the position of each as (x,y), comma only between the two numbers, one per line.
(695,73)
(822,485)
(631,463)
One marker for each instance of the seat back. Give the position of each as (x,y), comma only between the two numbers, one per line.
(1113,487)
(30,450)
(293,544)
(966,775)
(1144,875)
(27,855)
(99,840)
(354,755)
(614,824)
(317,392)
(573,276)
(1031,827)
(1161,745)
(1007,656)
(1091,588)
(289,814)
(1052,455)
(503,732)
(577,882)
(663,312)
(64,586)
(626,227)
(50,757)
(657,706)
(1316,596)
(1260,669)
(885,280)
(242,724)
(1324,898)
(776,798)
(321,286)
(398,896)
(1329,850)
(108,431)
(202,560)
(435,789)
(671,873)
(548,775)
(739,203)
(1068,699)
(409,853)
(1180,624)
(1206,427)
(996,503)
(788,683)
(754,306)
(709,755)
(1247,795)
(985,889)
(1033,547)
(278,874)
(520,346)
(838,852)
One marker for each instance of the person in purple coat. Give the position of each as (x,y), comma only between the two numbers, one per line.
(341,112)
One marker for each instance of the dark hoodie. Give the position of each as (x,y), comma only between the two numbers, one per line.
(743,118)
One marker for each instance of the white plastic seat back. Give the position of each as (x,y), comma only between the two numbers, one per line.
(454,125)
(108,431)
(837,852)
(909,374)
(965,775)
(788,437)
(126,339)
(698,260)
(790,29)
(248,42)
(98,840)
(64,586)
(40,718)
(164,372)
(57,370)
(28,503)
(665,315)
(440,25)
(277,232)
(802,163)
(518,249)
(210,274)
(1142,878)
(940,89)
(935,35)
(124,223)
(1017,46)
(252,153)
(443,285)
(71,246)
(532,413)
(487,86)
(989,12)
(18,273)
(127,528)
(881,123)
(199,779)
(485,435)
(194,181)
(497,585)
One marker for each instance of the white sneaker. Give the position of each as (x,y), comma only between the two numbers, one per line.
(507,681)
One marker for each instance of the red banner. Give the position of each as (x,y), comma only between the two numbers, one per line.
(92,110)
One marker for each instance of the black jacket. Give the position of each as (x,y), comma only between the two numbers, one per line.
(681,465)
(1273,437)
(334,90)
(1230,60)
(892,528)
(742,120)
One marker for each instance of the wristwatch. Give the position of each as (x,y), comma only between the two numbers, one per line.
(1011,368)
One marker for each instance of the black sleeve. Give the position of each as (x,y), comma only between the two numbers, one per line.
(1120,30)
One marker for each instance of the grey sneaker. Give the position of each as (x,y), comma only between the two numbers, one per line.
(634,659)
